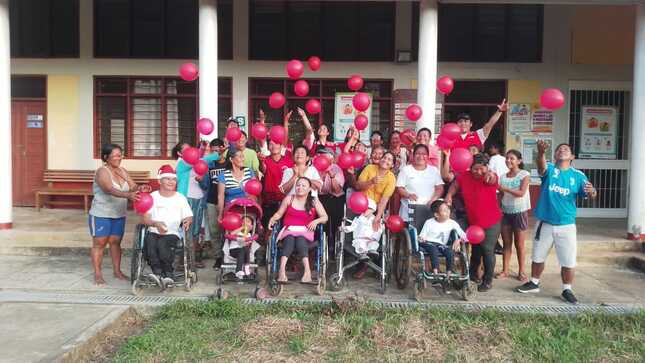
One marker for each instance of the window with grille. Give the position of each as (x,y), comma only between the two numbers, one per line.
(148,116)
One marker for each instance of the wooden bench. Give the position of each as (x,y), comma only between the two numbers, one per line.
(75,177)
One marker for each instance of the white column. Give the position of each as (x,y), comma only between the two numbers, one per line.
(427,83)
(208,63)
(6,196)
(636,218)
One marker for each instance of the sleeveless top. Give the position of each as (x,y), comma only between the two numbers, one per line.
(105,205)
(297,217)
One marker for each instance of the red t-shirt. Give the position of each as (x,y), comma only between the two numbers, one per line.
(480,199)
(472,138)
(273,171)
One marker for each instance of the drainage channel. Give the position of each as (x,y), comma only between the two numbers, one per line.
(69,298)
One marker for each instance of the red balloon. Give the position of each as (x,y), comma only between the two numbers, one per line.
(355,82)
(314,63)
(277,134)
(475,235)
(253,187)
(445,85)
(413,112)
(144,203)
(301,88)
(361,101)
(190,155)
(313,106)
(358,158)
(295,69)
(321,162)
(408,137)
(188,72)
(276,100)
(205,126)
(451,131)
(360,121)
(200,167)
(231,221)
(460,159)
(259,131)
(552,99)
(345,160)
(233,134)
(358,202)
(394,223)
(444,143)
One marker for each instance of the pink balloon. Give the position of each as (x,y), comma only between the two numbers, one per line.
(231,221)
(190,155)
(358,159)
(313,106)
(188,72)
(314,63)
(460,159)
(277,134)
(451,131)
(444,143)
(361,101)
(295,69)
(445,85)
(355,82)
(345,160)
(205,126)
(321,162)
(144,203)
(259,131)
(475,235)
(360,121)
(200,167)
(394,223)
(253,187)
(301,88)
(552,99)
(408,137)
(233,134)
(413,112)
(358,202)
(276,100)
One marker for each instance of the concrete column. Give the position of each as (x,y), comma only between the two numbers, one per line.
(208,63)
(6,196)
(636,217)
(427,83)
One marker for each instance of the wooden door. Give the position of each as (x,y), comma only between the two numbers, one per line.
(29,153)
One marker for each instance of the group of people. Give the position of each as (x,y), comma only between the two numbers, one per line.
(413,179)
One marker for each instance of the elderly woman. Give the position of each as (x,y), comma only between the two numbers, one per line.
(301,168)
(478,187)
(424,137)
(230,183)
(112,188)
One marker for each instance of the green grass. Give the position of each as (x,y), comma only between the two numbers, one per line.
(226,331)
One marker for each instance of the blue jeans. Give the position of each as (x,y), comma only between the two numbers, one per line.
(434,250)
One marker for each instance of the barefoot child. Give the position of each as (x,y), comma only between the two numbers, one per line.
(435,236)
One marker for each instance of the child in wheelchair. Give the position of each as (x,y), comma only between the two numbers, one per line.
(366,240)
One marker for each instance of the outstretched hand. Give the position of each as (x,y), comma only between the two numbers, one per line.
(503,107)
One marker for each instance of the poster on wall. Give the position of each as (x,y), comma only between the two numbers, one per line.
(542,120)
(598,132)
(344,115)
(529,153)
(519,118)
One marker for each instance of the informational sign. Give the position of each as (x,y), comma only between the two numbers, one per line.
(241,121)
(34,121)
(598,127)
(542,120)
(519,118)
(344,117)
(529,153)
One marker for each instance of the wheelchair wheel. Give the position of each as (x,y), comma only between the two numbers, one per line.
(335,282)
(322,273)
(137,260)
(417,290)
(275,289)
(385,261)
(402,261)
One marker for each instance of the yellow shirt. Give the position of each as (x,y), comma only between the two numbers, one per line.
(384,188)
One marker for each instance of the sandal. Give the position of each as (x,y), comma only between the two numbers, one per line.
(501,275)
(522,277)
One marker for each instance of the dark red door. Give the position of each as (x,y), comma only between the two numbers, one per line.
(29,153)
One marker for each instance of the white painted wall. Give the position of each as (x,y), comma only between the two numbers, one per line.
(555,71)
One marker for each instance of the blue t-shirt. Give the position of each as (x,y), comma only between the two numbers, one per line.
(558,192)
(232,188)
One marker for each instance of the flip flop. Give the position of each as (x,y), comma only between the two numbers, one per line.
(283,282)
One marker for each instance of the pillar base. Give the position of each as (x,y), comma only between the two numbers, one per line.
(633,237)
(6,225)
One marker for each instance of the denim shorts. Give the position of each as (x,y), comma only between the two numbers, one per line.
(104,227)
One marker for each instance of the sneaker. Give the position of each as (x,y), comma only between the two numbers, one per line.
(483,287)
(168,282)
(568,296)
(363,257)
(528,287)
(155,279)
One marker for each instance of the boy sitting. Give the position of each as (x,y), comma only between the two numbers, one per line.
(435,236)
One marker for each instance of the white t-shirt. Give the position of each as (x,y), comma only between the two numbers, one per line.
(510,203)
(194,190)
(497,165)
(419,182)
(169,210)
(311,173)
(436,232)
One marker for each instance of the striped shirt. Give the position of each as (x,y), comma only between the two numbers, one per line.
(232,187)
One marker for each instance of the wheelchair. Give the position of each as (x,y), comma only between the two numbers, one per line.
(343,246)
(273,260)
(186,276)
(409,260)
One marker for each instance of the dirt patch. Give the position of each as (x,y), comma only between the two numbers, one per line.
(270,329)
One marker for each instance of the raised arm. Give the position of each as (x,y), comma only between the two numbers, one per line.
(454,188)
(309,130)
(541,158)
(446,174)
(501,108)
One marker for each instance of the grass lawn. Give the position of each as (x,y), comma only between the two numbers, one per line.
(224,331)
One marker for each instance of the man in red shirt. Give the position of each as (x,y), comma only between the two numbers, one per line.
(479,190)
(478,137)
(273,167)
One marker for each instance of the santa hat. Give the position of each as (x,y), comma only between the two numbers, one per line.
(166,171)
